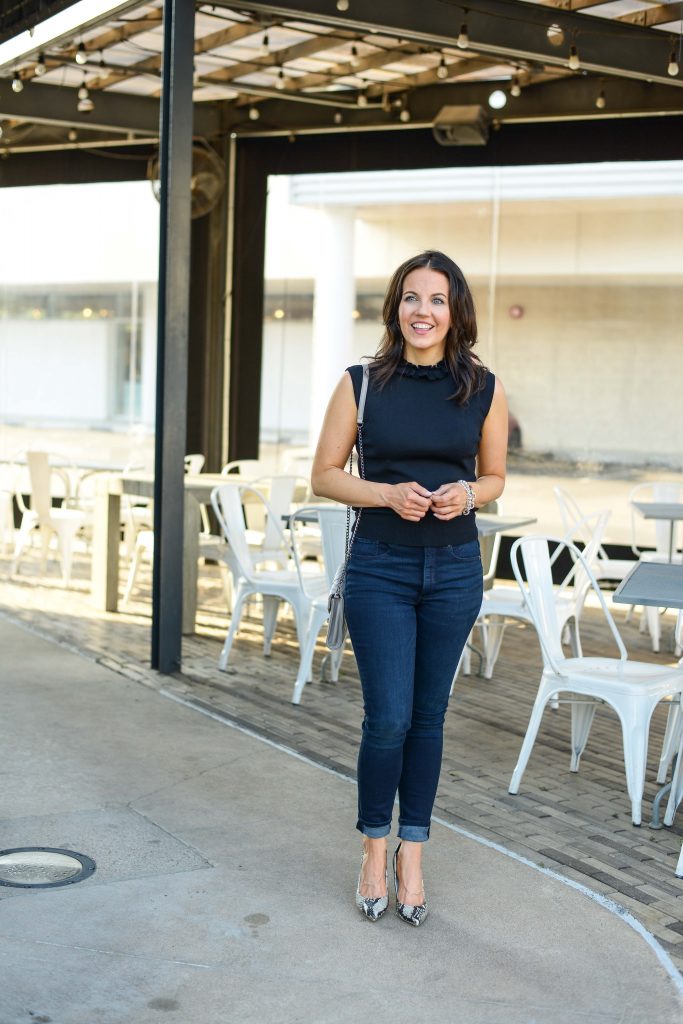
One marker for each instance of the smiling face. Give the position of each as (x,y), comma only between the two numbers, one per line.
(424,316)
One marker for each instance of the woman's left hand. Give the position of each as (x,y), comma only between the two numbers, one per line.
(449,501)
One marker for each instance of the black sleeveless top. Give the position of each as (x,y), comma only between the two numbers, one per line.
(413,431)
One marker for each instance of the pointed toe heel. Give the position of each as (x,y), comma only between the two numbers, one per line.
(413,914)
(371,907)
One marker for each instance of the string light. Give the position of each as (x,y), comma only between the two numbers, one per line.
(555,35)
(354,57)
(574,62)
(72,135)
(265,49)
(442,70)
(40,67)
(600,100)
(362,100)
(404,116)
(342,5)
(85,104)
(515,87)
(280,80)
(254,113)
(463,40)
(17,84)
(81,55)
(338,116)
(673,68)
(497,99)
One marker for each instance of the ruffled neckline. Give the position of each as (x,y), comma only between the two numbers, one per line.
(437,371)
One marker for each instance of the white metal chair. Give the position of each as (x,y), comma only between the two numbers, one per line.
(502,603)
(61,523)
(490,549)
(274,585)
(265,522)
(633,689)
(573,522)
(661,533)
(248,469)
(332,523)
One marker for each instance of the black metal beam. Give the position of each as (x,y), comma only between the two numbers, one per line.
(174,287)
(113,112)
(563,99)
(511,29)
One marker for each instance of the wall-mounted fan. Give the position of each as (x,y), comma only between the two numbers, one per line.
(208,177)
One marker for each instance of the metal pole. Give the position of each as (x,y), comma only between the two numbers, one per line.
(175,159)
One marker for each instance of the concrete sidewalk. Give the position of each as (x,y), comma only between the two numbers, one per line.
(225,878)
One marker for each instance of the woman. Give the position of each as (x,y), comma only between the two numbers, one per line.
(414,581)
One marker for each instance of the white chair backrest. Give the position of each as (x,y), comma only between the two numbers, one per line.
(657,531)
(194,463)
(250,469)
(540,595)
(227,504)
(39,471)
(333,531)
(332,523)
(589,530)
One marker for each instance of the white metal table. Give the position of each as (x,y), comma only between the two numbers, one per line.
(667,511)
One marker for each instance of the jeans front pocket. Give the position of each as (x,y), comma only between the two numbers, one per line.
(365,548)
(467,552)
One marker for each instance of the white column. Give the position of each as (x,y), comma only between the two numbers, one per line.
(333,305)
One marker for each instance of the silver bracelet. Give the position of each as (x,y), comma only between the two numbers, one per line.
(469,497)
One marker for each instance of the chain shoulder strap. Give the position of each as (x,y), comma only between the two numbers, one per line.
(351,534)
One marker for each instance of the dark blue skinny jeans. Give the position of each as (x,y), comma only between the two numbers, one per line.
(409,611)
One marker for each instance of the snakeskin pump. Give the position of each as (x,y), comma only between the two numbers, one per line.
(370,907)
(410,913)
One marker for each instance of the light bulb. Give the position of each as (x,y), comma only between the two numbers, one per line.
(463,40)
(600,101)
(82,92)
(442,70)
(404,116)
(17,84)
(354,57)
(673,68)
(497,99)
(342,5)
(280,80)
(555,35)
(362,100)
(81,55)
(72,135)
(338,118)
(40,68)
(515,87)
(265,48)
(254,113)
(85,105)
(574,62)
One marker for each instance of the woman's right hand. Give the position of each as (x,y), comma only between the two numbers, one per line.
(410,501)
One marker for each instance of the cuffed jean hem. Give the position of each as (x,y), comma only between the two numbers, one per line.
(374,831)
(414,833)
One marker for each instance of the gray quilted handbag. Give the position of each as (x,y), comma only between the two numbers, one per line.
(336,623)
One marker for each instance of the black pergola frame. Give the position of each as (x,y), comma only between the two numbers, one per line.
(255,159)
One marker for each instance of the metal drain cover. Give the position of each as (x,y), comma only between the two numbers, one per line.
(42,867)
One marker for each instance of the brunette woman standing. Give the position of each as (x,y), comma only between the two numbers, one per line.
(435,443)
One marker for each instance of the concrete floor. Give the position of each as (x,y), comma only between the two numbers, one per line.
(225,877)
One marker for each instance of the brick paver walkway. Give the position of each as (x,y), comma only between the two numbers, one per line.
(578,824)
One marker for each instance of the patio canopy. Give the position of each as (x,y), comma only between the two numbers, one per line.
(106,90)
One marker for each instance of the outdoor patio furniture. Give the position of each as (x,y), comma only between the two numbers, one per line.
(502,603)
(633,689)
(332,523)
(59,522)
(658,501)
(604,567)
(264,532)
(274,585)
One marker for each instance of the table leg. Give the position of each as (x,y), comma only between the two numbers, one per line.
(671,541)
(191,525)
(105,551)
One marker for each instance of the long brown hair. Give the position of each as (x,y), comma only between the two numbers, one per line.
(468,373)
